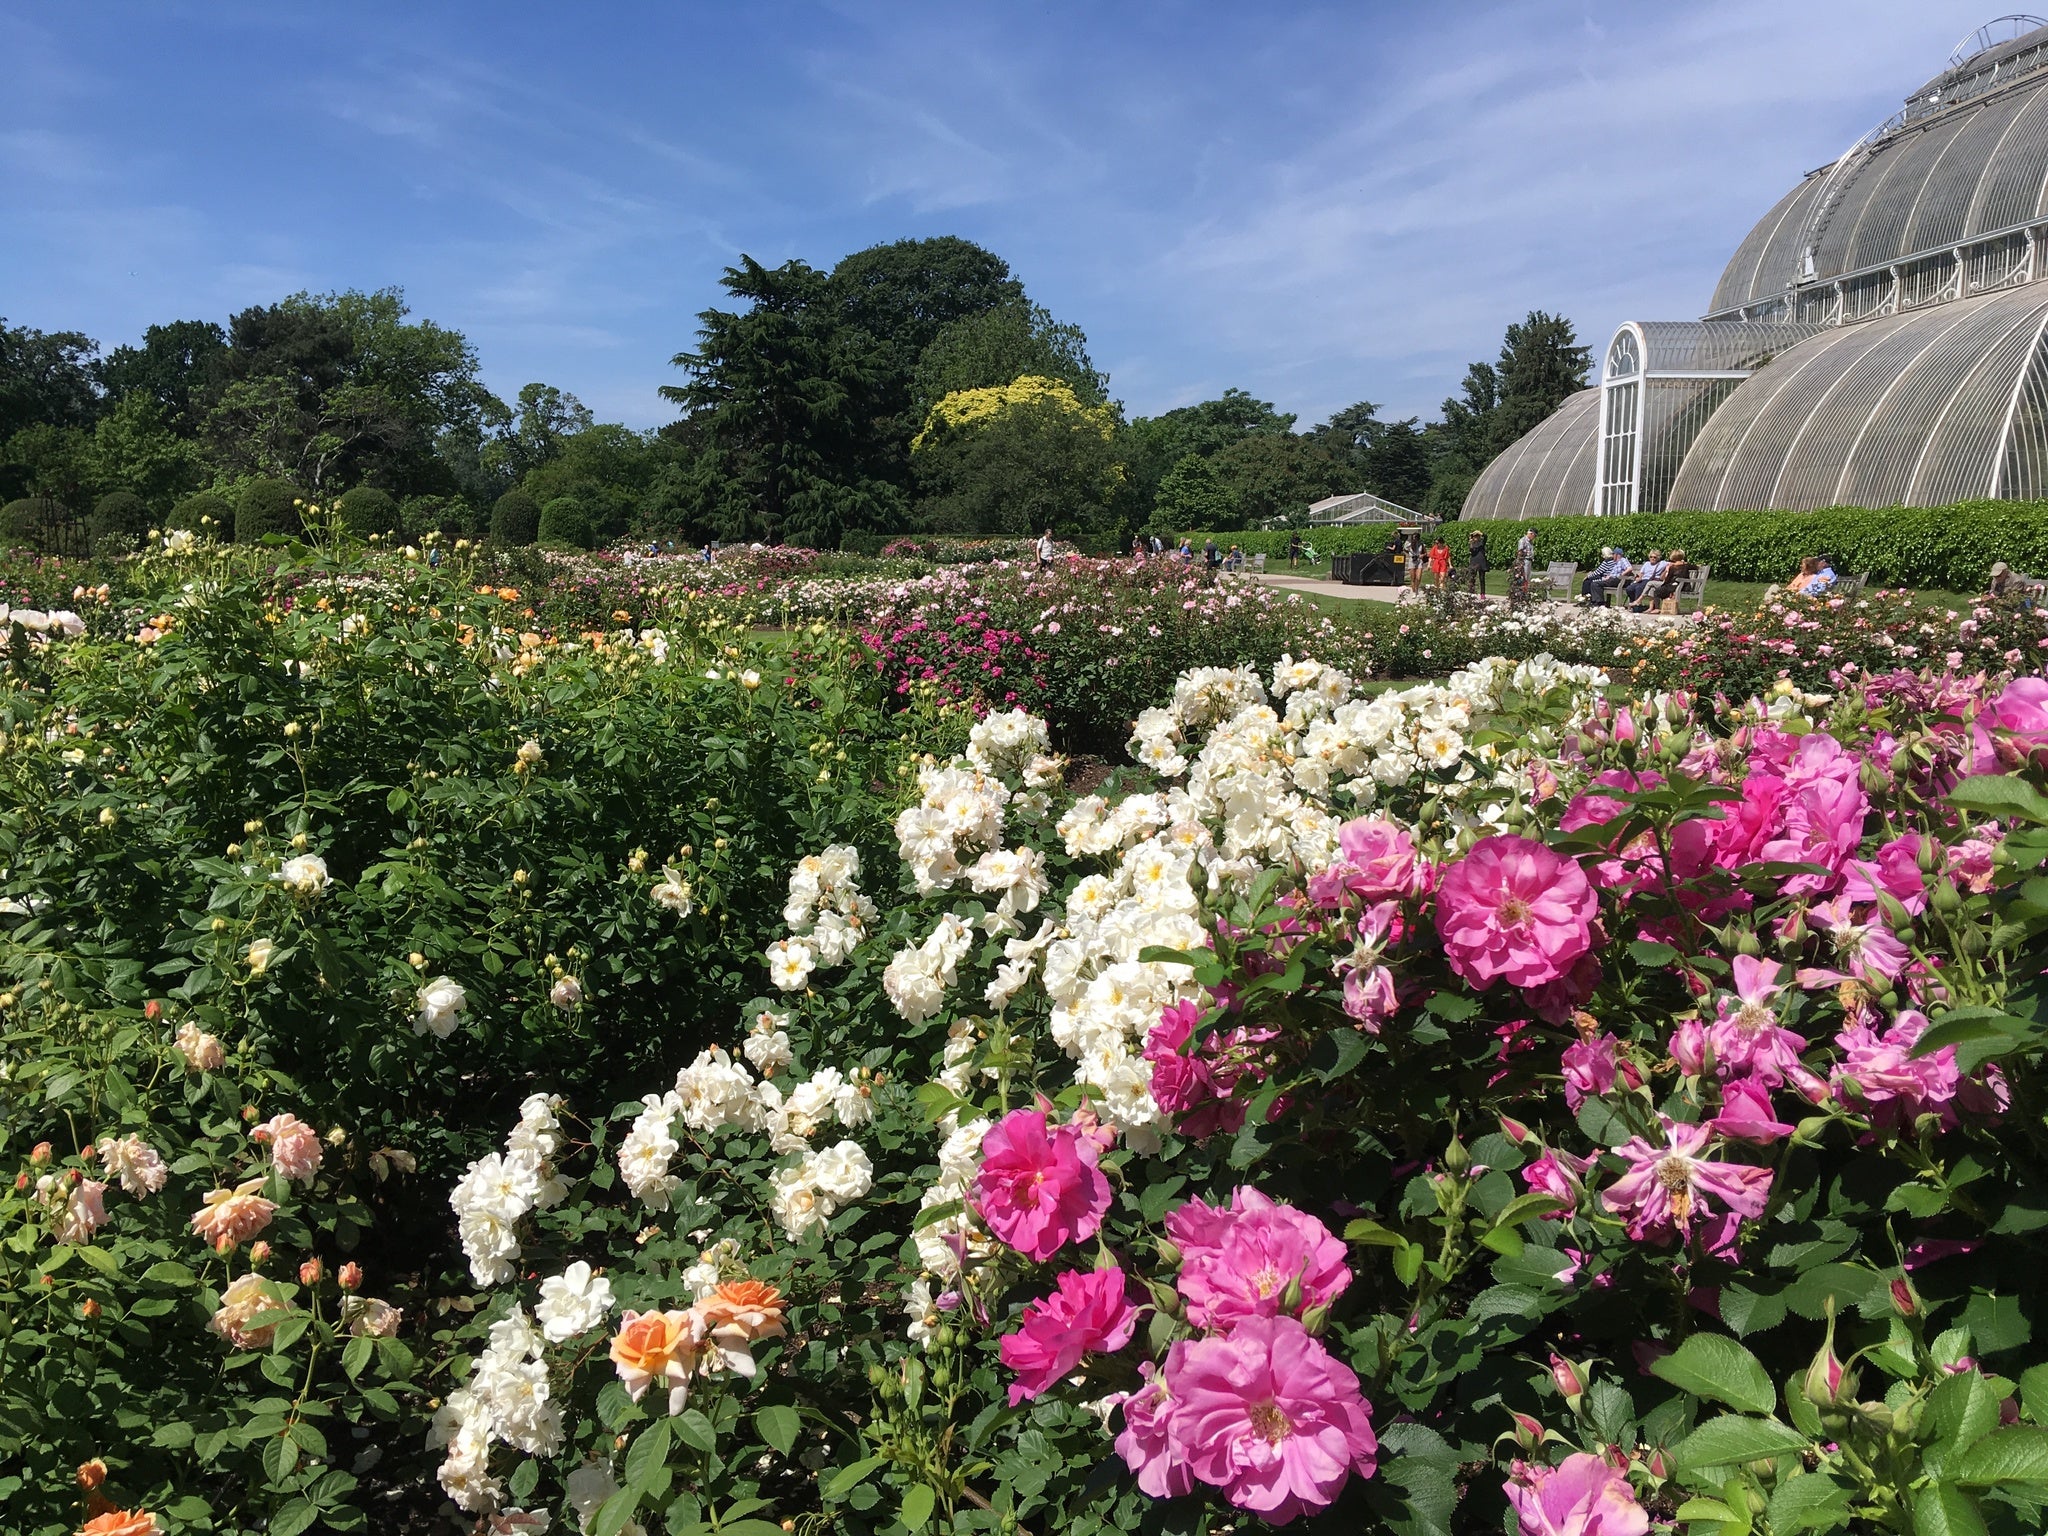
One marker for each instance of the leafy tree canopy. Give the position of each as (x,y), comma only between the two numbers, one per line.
(998,345)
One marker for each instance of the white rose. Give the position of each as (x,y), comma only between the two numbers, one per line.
(442,1003)
(843,1172)
(674,892)
(566,993)
(573,1302)
(305,875)
(260,951)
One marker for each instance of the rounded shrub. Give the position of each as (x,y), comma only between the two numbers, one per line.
(266,506)
(367,510)
(204,512)
(564,523)
(34,522)
(515,519)
(118,514)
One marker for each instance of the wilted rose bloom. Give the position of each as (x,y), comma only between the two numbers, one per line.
(306,875)
(1669,1189)
(442,1003)
(233,1216)
(294,1146)
(134,1162)
(202,1052)
(1582,1497)
(91,1474)
(657,1346)
(1088,1313)
(370,1317)
(1880,1076)
(244,1298)
(566,993)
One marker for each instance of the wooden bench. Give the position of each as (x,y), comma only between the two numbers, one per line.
(1556,581)
(1692,587)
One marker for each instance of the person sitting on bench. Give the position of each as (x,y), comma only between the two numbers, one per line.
(1676,569)
(1612,570)
(1648,574)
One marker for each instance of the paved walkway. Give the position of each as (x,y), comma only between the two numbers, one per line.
(1324,587)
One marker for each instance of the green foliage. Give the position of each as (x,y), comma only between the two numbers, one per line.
(195,510)
(266,506)
(995,346)
(1041,460)
(367,510)
(39,523)
(118,514)
(1192,495)
(515,519)
(564,524)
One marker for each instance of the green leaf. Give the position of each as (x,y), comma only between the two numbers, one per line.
(293,1518)
(778,1426)
(613,1514)
(2034,1393)
(2016,1455)
(356,1355)
(1808,1502)
(280,1458)
(918,1502)
(696,1431)
(1998,794)
(1527,1208)
(846,1479)
(648,1452)
(1372,1234)
(1942,1510)
(1649,952)
(1336,1053)
(1964,1410)
(1408,1262)
(1731,1438)
(168,1273)
(1709,1365)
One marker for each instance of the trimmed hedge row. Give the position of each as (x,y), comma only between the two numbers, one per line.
(1952,547)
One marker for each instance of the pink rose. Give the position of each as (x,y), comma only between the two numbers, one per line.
(1559,1175)
(1747,1115)
(1145,1445)
(1895,871)
(1038,1187)
(1270,1418)
(1589,1068)
(1513,909)
(1880,1076)
(1669,1189)
(1246,1260)
(1583,1496)
(1382,858)
(1088,1314)
(1745,1038)
(294,1146)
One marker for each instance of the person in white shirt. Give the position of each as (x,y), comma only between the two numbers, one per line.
(1045,549)
(1652,571)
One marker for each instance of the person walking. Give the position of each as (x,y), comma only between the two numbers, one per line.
(1045,550)
(1211,556)
(1294,550)
(1440,562)
(1412,552)
(1475,561)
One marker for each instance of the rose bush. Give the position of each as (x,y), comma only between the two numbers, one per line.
(1518,1102)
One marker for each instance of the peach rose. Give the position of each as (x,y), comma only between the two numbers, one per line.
(120,1522)
(294,1146)
(202,1052)
(246,1296)
(741,1311)
(368,1315)
(233,1216)
(657,1346)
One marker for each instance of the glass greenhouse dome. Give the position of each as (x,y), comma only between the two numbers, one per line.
(1876,340)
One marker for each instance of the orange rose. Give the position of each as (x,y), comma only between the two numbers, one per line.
(750,1309)
(655,1346)
(120,1522)
(91,1474)
(233,1216)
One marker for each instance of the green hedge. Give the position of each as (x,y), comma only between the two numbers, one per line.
(1946,547)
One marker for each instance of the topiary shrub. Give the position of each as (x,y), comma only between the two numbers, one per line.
(266,506)
(204,512)
(565,525)
(35,522)
(515,520)
(367,510)
(118,514)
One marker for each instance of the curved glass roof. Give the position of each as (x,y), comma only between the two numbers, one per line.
(1547,472)
(1920,409)
(1968,156)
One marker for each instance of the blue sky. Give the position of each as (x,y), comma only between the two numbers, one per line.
(1317,203)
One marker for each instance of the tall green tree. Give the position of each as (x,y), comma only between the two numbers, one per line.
(1387,458)
(1028,456)
(1461,441)
(1192,498)
(46,378)
(1541,364)
(780,391)
(1158,443)
(181,367)
(999,345)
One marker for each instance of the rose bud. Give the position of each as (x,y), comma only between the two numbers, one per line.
(311,1271)
(1571,1385)
(40,1153)
(350,1277)
(89,1308)
(259,1252)
(91,1474)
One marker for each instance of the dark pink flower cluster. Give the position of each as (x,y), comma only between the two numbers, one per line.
(1201,1084)
(1039,1186)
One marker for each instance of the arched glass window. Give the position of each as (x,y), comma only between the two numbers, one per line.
(1623,361)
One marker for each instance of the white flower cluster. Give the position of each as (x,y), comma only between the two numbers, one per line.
(505,1399)
(960,810)
(498,1190)
(717,1092)
(942,1243)
(826,912)
(917,978)
(1012,745)
(572,1303)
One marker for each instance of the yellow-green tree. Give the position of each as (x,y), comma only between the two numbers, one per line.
(1020,457)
